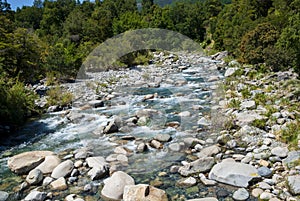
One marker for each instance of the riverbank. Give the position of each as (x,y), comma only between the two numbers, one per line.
(172,126)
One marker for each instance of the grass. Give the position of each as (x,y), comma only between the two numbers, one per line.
(291,134)
(259,123)
(245,93)
(234,103)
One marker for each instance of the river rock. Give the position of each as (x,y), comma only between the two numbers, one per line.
(292,157)
(111,127)
(97,161)
(143,192)
(266,196)
(96,103)
(47,181)
(240,194)
(205,181)
(59,184)
(163,137)
(187,182)
(73,197)
(230,71)
(209,151)
(24,162)
(49,164)
(3,196)
(248,105)
(63,169)
(204,199)
(36,196)
(35,176)
(97,172)
(176,147)
(264,171)
(114,186)
(247,117)
(141,147)
(197,166)
(233,173)
(156,144)
(281,152)
(203,122)
(294,184)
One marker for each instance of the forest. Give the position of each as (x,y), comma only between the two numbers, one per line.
(52,38)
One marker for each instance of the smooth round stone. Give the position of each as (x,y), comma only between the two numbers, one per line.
(241,194)
(264,171)
(257,192)
(266,196)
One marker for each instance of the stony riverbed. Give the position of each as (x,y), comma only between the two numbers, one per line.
(167,131)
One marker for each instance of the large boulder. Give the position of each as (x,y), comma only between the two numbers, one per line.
(114,186)
(24,162)
(294,184)
(233,173)
(143,192)
(63,169)
(49,164)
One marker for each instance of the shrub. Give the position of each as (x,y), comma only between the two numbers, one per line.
(56,96)
(290,134)
(16,103)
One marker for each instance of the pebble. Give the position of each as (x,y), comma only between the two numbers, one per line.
(240,194)
(256,192)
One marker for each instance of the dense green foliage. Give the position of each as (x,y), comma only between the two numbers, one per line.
(55,37)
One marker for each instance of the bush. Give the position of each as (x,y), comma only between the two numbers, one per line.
(16,103)
(290,134)
(56,96)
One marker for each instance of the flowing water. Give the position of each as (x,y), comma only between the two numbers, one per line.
(54,131)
